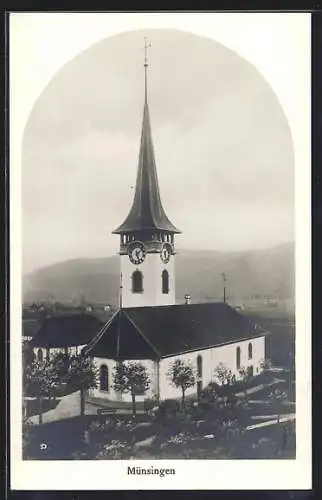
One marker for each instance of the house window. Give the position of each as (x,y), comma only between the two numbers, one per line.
(47,354)
(238,358)
(104,378)
(137,282)
(165,281)
(250,351)
(40,356)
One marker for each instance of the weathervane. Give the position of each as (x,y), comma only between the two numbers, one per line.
(147,45)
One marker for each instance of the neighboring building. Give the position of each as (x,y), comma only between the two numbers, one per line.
(68,334)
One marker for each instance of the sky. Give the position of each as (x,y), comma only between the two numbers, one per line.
(222,144)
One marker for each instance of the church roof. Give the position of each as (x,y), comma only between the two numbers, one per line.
(147,211)
(156,332)
(67,331)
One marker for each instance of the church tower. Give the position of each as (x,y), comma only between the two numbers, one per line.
(147,250)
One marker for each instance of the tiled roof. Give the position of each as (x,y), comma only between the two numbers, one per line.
(155,332)
(67,331)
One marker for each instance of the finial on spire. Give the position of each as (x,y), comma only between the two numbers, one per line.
(147,45)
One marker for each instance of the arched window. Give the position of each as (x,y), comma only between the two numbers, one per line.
(250,350)
(103,378)
(199,373)
(165,281)
(199,366)
(238,358)
(137,282)
(40,356)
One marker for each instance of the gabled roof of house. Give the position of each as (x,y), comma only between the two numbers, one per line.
(155,332)
(67,331)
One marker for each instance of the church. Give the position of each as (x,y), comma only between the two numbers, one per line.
(149,327)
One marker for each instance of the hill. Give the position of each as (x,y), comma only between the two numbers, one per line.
(250,275)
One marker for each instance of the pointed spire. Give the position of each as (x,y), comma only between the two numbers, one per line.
(147,45)
(147,211)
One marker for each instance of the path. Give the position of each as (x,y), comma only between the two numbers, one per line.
(69,406)
(284,418)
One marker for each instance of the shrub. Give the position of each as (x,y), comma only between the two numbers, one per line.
(95,433)
(115,450)
(170,407)
(205,404)
(211,391)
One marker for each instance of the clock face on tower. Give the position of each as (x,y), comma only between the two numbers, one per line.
(136,252)
(166,252)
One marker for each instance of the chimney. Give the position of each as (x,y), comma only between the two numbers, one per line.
(187,299)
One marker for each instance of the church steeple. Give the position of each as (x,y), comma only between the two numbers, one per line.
(147,251)
(147,212)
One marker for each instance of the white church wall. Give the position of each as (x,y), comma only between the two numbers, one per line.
(211,358)
(152,295)
(111,394)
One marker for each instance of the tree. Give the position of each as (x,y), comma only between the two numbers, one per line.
(40,379)
(224,375)
(226,379)
(131,377)
(82,375)
(245,375)
(181,375)
(61,362)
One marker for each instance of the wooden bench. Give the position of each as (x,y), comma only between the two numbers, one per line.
(106,411)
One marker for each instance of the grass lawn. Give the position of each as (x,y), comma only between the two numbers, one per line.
(143,438)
